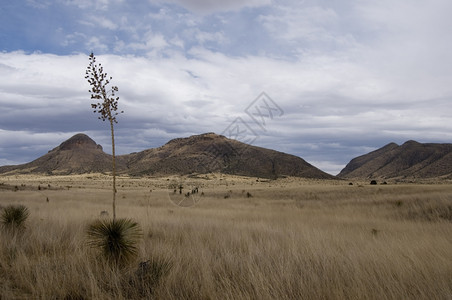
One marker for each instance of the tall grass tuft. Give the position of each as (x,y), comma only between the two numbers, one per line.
(149,275)
(117,239)
(13,217)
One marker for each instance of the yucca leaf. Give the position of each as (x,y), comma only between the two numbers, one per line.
(117,239)
(14,216)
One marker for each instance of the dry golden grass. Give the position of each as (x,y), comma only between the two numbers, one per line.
(293,239)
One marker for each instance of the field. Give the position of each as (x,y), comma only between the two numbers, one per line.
(244,239)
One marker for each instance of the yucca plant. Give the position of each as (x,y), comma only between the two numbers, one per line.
(149,275)
(107,107)
(117,239)
(13,217)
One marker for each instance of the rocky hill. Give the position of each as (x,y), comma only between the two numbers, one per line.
(79,154)
(215,153)
(410,160)
(197,154)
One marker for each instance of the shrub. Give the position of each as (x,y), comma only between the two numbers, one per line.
(117,239)
(149,275)
(13,217)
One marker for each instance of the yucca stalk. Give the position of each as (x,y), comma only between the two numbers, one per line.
(13,217)
(107,108)
(117,239)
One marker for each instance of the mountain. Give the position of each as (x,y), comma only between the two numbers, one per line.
(200,154)
(79,154)
(410,160)
(210,152)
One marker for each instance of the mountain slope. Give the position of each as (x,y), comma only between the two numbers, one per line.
(203,153)
(79,154)
(412,159)
(215,153)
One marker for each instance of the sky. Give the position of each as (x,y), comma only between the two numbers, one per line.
(325,80)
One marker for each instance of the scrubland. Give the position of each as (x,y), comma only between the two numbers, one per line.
(244,239)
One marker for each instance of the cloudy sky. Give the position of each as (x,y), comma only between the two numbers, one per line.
(341,78)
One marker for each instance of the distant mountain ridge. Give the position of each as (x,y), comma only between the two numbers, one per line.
(409,160)
(201,154)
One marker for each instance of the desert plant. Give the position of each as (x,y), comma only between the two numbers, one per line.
(107,108)
(13,217)
(149,275)
(117,239)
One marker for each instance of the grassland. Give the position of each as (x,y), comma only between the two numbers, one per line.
(244,239)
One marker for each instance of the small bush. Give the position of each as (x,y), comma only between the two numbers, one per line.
(117,239)
(13,217)
(149,275)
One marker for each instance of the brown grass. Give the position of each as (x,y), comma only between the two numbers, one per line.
(292,239)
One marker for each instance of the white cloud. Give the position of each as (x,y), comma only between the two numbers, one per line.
(151,42)
(177,41)
(95,44)
(211,6)
(73,38)
(39,3)
(358,75)
(98,21)
(104,22)
(96,4)
(300,23)
(203,37)
(179,96)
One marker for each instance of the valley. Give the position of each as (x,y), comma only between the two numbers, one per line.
(245,237)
